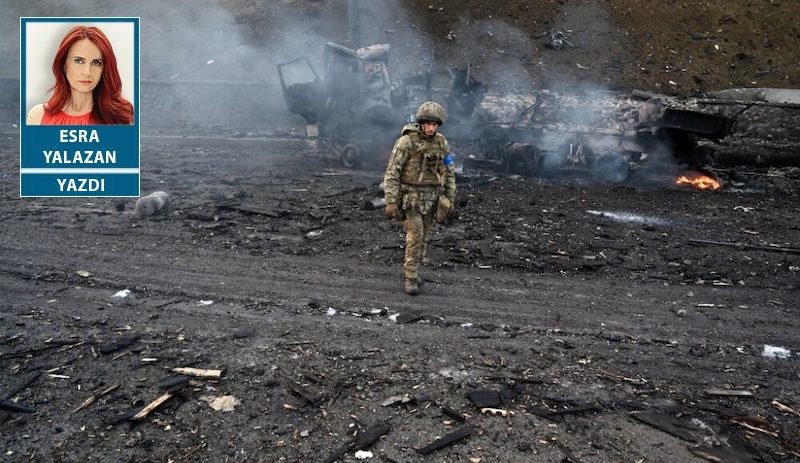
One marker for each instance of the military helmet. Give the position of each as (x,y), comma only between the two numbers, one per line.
(431,111)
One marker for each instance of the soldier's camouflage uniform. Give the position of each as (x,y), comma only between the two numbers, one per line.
(415,178)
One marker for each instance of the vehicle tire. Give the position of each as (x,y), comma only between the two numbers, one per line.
(350,157)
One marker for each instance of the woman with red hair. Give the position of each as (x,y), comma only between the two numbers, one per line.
(88,89)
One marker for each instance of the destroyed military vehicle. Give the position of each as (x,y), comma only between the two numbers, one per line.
(355,106)
(600,134)
(359,110)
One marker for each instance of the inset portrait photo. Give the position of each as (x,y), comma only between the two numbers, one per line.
(79,73)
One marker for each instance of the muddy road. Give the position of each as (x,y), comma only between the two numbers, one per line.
(623,322)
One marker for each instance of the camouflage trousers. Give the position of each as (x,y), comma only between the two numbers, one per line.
(418,208)
(418,231)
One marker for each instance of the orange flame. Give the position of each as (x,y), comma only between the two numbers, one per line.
(699,181)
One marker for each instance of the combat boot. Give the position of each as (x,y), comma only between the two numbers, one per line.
(412,287)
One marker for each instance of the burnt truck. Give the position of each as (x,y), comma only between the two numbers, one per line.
(599,134)
(359,110)
(355,107)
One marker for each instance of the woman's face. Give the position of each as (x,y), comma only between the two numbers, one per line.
(84,66)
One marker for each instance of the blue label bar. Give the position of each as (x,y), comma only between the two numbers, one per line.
(79,147)
(79,185)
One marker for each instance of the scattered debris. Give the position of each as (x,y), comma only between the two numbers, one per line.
(253,209)
(496,412)
(225,403)
(485,398)
(199,373)
(733,450)
(314,234)
(24,384)
(405,318)
(461,433)
(119,344)
(15,407)
(363,440)
(752,423)
(122,294)
(155,203)
(396,399)
(728,393)
(94,397)
(449,412)
(374,203)
(745,247)
(310,396)
(785,408)
(173,383)
(670,425)
(775,352)
(554,415)
(630,217)
(557,39)
(142,414)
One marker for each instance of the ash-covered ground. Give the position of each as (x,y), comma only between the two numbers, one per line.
(560,320)
(577,309)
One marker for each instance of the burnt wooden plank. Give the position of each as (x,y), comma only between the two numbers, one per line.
(666,423)
(461,433)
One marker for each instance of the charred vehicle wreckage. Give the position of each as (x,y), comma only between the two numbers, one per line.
(355,111)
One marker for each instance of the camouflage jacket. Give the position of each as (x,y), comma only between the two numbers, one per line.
(417,166)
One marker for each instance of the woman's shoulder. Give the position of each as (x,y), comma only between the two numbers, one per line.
(35,114)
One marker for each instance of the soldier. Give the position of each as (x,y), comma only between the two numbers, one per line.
(420,183)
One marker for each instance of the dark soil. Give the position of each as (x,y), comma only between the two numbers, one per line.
(672,47)
(561,295)
(584,309)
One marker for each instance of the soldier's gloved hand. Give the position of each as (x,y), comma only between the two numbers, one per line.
(391,211)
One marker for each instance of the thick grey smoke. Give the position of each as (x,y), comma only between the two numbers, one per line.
(187,44)
(235,44)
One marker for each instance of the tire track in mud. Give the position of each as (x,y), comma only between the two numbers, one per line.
(534,303)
